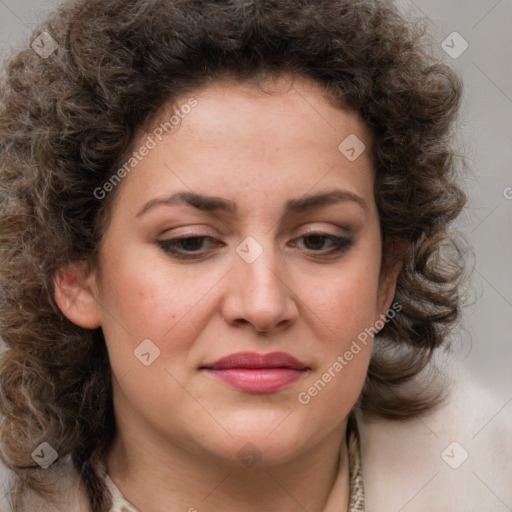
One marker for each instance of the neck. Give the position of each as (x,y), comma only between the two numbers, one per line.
(157,475)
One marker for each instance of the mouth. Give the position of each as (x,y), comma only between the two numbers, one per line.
(251,372)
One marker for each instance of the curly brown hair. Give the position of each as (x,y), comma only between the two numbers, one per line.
(69,120)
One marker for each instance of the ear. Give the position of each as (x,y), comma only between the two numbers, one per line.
(393,262)
(75,295)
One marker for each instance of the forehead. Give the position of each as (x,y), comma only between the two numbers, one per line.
(263,141)
(264,108)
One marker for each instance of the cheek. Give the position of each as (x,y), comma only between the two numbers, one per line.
(347,308)
(344,309)
(349,315)
(150,302)
(346,300)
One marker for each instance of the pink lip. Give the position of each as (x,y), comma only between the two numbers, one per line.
(257,373)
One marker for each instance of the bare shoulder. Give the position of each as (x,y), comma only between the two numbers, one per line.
(458,457)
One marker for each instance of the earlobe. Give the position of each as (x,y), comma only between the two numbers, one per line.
(75,295)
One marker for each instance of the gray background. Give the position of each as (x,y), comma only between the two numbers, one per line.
(482,347)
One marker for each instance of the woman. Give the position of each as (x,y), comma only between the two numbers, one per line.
(223,233)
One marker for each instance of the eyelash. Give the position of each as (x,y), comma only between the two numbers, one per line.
(341,244)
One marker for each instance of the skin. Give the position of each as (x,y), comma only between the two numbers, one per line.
(179,428)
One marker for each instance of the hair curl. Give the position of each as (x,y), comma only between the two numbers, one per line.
(69,120)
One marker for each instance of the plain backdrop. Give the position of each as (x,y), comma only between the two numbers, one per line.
(482,348)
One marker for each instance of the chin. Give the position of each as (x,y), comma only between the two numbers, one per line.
(265,441)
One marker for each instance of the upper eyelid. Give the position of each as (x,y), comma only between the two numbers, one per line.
(316,230)
(310,232)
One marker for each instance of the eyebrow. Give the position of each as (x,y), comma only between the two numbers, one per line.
(218,204)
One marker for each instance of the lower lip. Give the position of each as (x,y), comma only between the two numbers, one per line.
(261,380)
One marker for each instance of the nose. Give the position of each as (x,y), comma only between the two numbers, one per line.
(259,293)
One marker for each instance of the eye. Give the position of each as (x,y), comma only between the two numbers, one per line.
(193,247)
(315,242)
(186,247)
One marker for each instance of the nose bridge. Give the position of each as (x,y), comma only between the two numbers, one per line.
(258,263)
(259,294)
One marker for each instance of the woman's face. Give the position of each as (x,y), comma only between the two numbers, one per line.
(284,255)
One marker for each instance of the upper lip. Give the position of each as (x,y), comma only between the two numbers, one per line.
(253,360)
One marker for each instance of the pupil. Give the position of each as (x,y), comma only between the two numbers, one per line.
(317,238)
(188,243)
